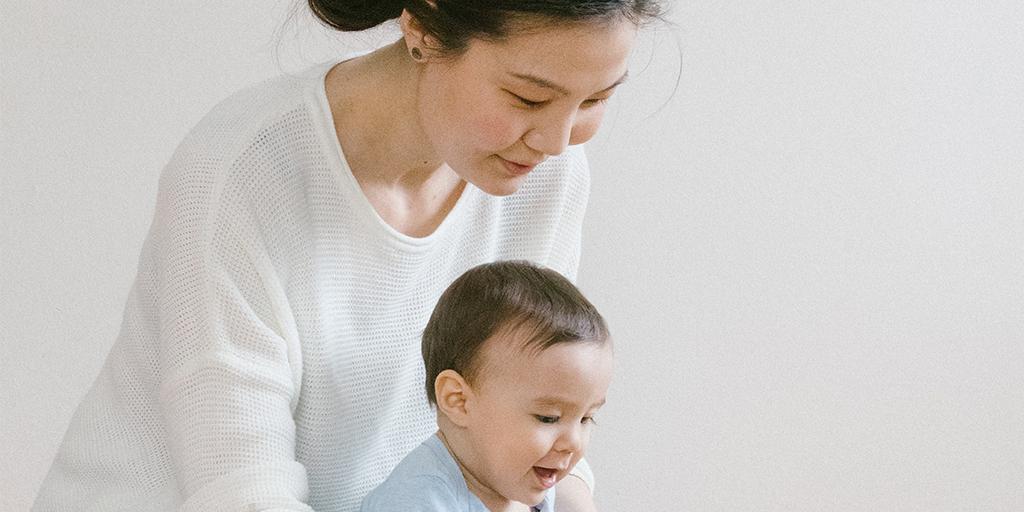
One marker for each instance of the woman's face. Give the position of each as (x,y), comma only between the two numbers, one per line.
(501,108)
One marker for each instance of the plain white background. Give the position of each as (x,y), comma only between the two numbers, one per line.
(811,250)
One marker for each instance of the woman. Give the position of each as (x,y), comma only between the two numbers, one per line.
(269,354)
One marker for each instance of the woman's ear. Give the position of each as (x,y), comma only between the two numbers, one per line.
(412,31)
(418,41)
(452,393)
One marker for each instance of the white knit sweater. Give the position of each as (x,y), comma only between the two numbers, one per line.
(269,357)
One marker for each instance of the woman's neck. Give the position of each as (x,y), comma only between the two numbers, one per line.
(374,104)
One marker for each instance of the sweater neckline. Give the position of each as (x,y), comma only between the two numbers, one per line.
(348,182)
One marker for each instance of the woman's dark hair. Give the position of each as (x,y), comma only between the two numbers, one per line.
(453,23)
(539,305)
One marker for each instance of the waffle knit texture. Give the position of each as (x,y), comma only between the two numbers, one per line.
(269,356)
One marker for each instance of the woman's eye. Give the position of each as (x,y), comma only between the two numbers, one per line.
(594,102)
(529,103)
(547,419)
(588,419)
(526,102)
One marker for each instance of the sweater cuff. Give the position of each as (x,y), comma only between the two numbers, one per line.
(265,489)
(583,472)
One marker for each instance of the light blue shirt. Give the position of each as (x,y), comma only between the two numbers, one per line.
(429,480)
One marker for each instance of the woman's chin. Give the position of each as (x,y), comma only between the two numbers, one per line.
(500,187)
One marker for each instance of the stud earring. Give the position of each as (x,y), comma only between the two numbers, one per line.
(416,53)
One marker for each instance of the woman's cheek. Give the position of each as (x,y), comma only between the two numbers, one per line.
(496,131)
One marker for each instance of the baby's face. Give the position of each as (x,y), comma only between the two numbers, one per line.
(532,413)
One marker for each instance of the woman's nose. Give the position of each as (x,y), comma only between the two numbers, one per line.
(551,137)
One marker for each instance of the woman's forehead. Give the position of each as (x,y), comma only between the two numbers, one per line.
(571,56)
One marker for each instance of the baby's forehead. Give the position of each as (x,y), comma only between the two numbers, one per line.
(546,389)
(518,358)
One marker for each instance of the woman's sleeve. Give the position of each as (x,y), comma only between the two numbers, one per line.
(565,258)
(583,472)
(230,364)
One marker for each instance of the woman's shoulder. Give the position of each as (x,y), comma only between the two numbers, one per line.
(242,116)
(246,131)
(261,134)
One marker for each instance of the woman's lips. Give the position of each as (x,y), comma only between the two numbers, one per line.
(517,169)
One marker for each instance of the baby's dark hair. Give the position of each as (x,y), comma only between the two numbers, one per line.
(453,23)
(501,297)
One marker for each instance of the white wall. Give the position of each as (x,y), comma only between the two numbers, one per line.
(812,256)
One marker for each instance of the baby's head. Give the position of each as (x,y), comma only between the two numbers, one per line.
(517,363)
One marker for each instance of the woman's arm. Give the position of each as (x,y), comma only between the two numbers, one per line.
(230,364)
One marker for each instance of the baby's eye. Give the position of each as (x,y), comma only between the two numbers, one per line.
(546,419)
(594,102)
(588,419)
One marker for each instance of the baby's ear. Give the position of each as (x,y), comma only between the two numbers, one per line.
(452,392)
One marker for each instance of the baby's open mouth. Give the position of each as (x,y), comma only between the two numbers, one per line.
(546,476)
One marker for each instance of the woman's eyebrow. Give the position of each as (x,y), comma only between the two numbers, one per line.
(547,84)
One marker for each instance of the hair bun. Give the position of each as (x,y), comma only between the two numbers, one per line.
(356,15)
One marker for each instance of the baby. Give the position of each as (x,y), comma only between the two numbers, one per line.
(517,363)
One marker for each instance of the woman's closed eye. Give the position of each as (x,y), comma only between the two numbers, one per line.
(546,419)
(537,103)
(526,102)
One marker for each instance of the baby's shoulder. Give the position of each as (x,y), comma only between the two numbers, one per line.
(426,480)
(414,493)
